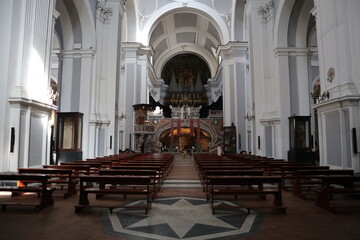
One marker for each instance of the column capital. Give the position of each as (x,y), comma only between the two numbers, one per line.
(266,11)
(103,12)
(118,4)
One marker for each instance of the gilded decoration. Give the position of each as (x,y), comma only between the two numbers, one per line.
(186,89)
(185,76)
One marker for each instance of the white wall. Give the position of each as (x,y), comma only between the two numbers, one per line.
(26,54)
(338,46)
(6,21)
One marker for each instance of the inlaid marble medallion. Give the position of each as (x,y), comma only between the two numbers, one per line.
(181,218)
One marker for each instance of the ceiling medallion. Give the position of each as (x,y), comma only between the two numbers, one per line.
(330,74)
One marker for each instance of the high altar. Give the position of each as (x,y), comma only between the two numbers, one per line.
(184,130)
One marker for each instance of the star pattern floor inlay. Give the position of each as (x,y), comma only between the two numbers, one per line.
(181,218)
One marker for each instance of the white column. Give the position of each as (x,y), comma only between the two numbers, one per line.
(234,87)
(87,63)
(228,115)
(135,82)
(116,29)
(127,92)
(303,83)
(283,102)
(258,71)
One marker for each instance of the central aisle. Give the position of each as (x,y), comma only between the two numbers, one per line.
(183,179)
(180,211)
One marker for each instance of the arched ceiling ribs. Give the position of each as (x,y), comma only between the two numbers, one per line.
(174,29)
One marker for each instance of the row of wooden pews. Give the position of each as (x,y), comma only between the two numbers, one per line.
(223,176)
(123,174)
(307,180)
(135,174)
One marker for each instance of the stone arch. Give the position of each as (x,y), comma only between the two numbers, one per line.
(87,23)
(64,27)
(282,23)
(216,140)
(195,7)
(302,30)
(75,24)
(292,28)
(301,22)
(191,48)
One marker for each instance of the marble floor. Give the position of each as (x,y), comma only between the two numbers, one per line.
(180,211)
(181,217)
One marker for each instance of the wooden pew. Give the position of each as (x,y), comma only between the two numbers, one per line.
(57,177)
(313,178)
(78,169)
(274,168)
(158,169)
(209,168)
(332,185)
(155,179)
(125,186)
(166,164)
(208,173)
(239,185)
(202,165)
(42,191)
(94,166)
(288,172)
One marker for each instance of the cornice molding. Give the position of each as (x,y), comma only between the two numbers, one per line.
(291,51)
(82,53)
(232,46)
(26,102)
(355,99)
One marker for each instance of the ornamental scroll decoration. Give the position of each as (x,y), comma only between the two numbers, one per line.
(318,96)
